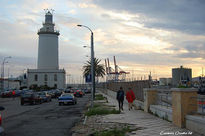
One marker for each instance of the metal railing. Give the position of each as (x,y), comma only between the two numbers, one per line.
(164,98)
(200,105)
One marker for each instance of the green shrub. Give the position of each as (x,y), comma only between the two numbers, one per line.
(101,111)
(114,132)
(99,97)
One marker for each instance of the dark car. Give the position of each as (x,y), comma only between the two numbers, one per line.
(87,91)
(68,91)
(6,94)
(31,98)
(78,93)
(45,96)
(1,128)
(67,98)
(57,93)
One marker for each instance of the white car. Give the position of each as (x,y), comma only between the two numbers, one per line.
(1,128)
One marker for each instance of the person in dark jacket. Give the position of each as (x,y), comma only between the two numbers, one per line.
(120,98)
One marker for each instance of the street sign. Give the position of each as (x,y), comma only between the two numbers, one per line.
(88,78)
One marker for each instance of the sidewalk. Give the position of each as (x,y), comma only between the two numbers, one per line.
(150,124)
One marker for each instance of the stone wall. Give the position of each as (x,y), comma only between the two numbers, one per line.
(137,87)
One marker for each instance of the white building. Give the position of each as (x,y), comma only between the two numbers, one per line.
(47,72)
(10,84)
(165,81)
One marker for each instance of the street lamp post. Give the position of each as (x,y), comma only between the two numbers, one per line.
(92,64)
(2,74)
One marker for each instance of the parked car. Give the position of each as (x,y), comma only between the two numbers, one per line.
(87,91)
(25,91)
(1,127)
(68,91)
(78,93)
(57,93)
(31,98)
(45,96)
(6,94)
(67,98)
(9,93)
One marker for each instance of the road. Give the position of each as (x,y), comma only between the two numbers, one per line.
(47,119)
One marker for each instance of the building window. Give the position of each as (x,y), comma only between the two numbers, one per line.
(55,77)
(36,78)
(45,77)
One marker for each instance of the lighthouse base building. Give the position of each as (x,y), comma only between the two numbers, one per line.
(47,72)
(46,77)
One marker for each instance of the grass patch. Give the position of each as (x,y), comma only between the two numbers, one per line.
(114,132)
(96,105)
(99,97)
(100,109)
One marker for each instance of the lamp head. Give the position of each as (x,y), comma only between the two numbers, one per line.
(79,25)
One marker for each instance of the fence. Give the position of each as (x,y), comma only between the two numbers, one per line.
(200,104)
(164,98)
(137,87)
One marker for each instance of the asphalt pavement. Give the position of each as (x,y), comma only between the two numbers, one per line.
(47,119)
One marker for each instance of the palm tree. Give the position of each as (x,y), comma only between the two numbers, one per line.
(99,68)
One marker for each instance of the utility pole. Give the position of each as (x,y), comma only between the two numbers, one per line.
(92,64)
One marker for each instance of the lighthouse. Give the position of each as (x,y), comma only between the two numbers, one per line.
(48,44)
(47,73)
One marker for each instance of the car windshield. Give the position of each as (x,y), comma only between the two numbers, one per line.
(27,95)
(67,95)
(41,93)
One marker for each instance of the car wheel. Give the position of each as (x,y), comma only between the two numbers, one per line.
(22,103)
(60,103)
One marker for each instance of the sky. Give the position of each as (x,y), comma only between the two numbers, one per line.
(148,35)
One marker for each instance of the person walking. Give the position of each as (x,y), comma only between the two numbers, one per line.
(120,98)
(130,96)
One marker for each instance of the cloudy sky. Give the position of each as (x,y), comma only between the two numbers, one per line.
(144,35)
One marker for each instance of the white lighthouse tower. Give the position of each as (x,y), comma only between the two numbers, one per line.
(47,72)
(48,44)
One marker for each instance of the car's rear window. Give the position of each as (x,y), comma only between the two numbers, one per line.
(67,95)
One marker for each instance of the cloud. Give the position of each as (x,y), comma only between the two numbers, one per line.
(183,15)
(142,34)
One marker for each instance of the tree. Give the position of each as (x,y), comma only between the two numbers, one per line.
(99,68)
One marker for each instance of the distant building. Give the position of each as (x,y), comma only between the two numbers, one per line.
(198,81)
(10,84)
(165,81)
(47,72)
(181,76)
(23,80)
